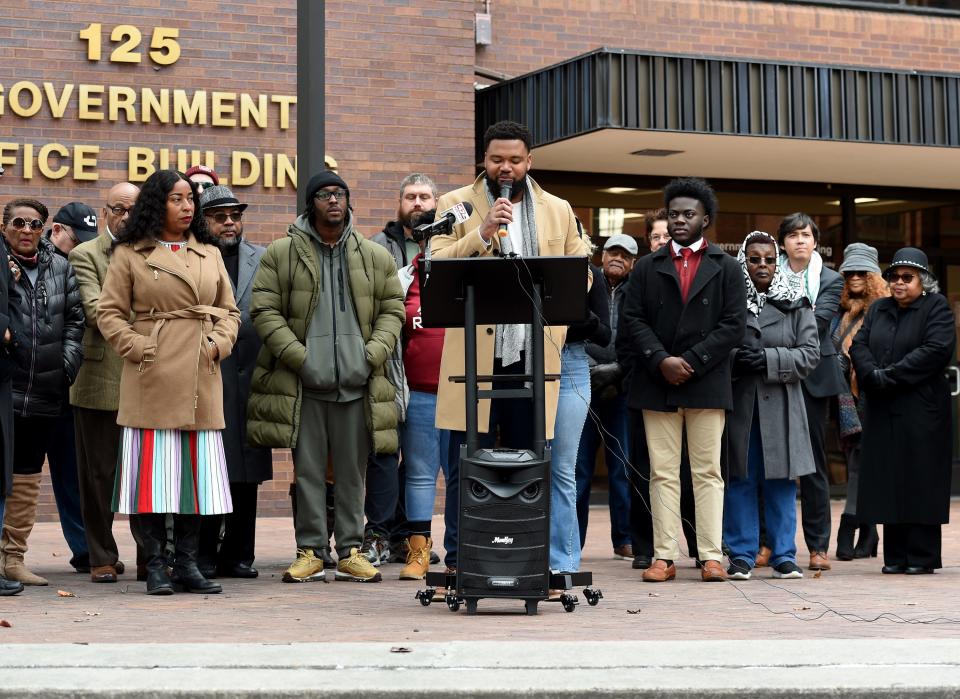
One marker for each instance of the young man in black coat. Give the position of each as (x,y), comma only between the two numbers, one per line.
(683,313)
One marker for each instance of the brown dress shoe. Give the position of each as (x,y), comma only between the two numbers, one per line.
(712,571)
(660,572)
(103,574)
(763,558)
(623,553)
(819,561)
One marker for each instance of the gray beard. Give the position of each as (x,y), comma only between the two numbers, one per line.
(227,244)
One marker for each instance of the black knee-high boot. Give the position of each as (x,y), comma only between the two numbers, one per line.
(150,533)
(848,527)
(186,575)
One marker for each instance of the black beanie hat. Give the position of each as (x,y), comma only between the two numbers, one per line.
(325,178)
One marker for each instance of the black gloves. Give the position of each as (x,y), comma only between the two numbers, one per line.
(880,379)
(750,360)
(603,376)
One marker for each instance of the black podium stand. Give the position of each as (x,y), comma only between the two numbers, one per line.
(504,517)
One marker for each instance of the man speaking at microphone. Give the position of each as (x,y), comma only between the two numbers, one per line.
(529,222)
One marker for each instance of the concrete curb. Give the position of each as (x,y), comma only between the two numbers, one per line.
(811,669)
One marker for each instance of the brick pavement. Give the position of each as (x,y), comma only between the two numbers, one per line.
(264,610)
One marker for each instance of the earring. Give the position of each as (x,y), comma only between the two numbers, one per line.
(924,293)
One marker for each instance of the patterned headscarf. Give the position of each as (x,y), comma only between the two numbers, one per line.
(779,289)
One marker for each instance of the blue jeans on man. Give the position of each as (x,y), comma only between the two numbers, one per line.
(612,433)
(425,452)
(741,515)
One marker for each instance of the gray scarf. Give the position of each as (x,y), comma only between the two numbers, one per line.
(511,340)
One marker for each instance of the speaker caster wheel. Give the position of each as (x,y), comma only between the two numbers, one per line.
(453,604)
(471,606)
(569,602)
(531,607)
(425,596)
(593,596)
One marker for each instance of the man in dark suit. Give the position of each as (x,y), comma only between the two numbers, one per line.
(95,395)
(683,313)
(804,270)
(247,466)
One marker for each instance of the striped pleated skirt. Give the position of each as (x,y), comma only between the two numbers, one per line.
(172,471)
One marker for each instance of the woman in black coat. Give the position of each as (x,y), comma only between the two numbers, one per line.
(900,354)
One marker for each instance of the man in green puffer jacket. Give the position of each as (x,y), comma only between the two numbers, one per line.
(328,306)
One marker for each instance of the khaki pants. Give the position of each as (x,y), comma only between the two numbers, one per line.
(704,434)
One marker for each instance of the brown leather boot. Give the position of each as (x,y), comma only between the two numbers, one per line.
(418,558)
(19,516)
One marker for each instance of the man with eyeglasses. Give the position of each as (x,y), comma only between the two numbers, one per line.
(328,305)
(247,466)
(73,224)
(95,395)
(120,200)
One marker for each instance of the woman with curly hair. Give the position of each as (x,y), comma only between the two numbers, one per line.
(167,308)
(862,285)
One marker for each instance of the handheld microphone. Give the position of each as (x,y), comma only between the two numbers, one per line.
(444,222)
(505,188)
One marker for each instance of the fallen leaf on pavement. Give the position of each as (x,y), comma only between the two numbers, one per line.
(653,594)
(5,624)
(818,573)
(64,593)
(634,611)
(401,649)
(92,613)
(801,609)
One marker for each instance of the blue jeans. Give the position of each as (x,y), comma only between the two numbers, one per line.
(572,408)
(741,523)
(613,434)
(425,453)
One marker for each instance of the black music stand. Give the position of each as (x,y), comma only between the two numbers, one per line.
(467,292)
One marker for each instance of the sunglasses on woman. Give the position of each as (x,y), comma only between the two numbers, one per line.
(20,223)
(854,273)
(906,277)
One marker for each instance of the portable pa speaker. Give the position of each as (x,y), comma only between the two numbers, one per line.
(504,548)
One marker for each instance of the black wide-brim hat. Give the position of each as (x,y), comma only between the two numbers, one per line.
(908,257)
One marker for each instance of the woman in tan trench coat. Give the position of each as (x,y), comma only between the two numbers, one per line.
(167,308)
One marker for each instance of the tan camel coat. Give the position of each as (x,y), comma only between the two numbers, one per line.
(178,301)
(557,234)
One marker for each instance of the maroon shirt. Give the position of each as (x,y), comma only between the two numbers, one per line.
(687,264)
(422,347)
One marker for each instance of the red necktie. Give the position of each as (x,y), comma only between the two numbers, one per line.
(685,276)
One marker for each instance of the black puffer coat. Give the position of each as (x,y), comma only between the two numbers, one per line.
(50,346)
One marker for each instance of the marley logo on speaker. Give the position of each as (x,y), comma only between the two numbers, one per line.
(502,540)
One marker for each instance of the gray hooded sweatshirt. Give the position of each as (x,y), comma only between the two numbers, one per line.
(336,367)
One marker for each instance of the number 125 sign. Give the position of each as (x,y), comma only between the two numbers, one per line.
(164,48)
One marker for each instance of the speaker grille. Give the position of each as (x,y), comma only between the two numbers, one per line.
(504,541)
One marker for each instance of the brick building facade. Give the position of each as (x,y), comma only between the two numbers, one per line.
(400,85)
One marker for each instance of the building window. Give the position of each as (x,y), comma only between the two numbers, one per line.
(948,7)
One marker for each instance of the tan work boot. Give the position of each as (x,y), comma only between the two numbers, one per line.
(19,516)
(418,558)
